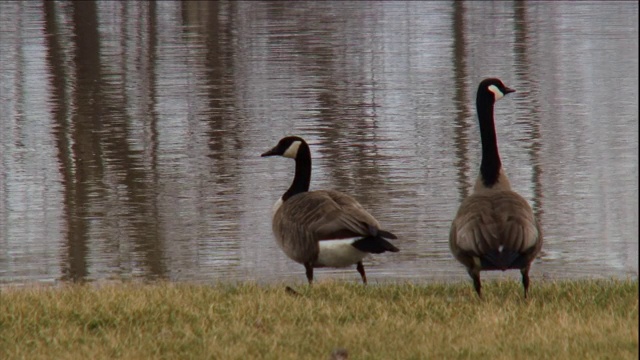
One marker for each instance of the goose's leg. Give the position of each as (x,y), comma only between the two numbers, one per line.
(475,275)
(309,270)
(360,269)
(525,280)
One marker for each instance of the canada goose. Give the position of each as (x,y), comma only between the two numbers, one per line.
(495,228)
(323,227)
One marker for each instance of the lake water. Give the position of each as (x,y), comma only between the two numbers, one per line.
(131,132)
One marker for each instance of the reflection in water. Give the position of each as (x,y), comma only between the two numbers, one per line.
(60,74)
(131,132)
(528,103)
(462,101)
(86,150)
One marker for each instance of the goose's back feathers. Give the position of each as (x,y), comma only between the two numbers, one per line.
(308,218)
(327,214)
(496,228)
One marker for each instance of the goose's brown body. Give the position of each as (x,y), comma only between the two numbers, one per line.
(495,230)
(307,220)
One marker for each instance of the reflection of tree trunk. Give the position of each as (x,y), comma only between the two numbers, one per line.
(85,150)
(141,205)
(460,98)
(224,127)
(55,58)
(523,73)
(154,258)
(140,211)
(95,135)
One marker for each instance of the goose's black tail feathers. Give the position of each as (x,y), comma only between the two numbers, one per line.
(375,244)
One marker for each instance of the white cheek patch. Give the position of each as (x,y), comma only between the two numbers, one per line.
(292,151)
(496,92)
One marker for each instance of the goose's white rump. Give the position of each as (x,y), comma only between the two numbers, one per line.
(339,253)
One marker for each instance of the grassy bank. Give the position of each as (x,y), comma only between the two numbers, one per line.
(569,320)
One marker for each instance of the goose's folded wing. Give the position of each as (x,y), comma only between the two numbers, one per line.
(328,215)
(487,224)
(520,230)
(353,216)
(473,233)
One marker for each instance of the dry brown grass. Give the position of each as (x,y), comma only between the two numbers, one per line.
(568,320)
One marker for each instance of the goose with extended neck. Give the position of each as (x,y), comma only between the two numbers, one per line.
(494,228)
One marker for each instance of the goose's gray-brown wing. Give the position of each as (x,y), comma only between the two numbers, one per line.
(350,218)
(307,218)
(328,215)
(498,228)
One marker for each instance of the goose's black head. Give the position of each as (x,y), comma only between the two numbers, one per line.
(493,89)
(287,147)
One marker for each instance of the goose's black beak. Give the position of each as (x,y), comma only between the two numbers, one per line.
(271,152)
(508,90)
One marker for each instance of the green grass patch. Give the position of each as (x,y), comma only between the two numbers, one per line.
(594,319)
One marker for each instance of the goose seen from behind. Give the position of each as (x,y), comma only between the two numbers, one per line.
(494,228)
(322,228)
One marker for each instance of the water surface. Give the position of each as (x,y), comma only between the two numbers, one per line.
(131,133)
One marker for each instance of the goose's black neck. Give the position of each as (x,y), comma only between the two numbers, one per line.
(302,178)
(491,164)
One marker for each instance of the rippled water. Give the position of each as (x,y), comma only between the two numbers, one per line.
(130,133)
